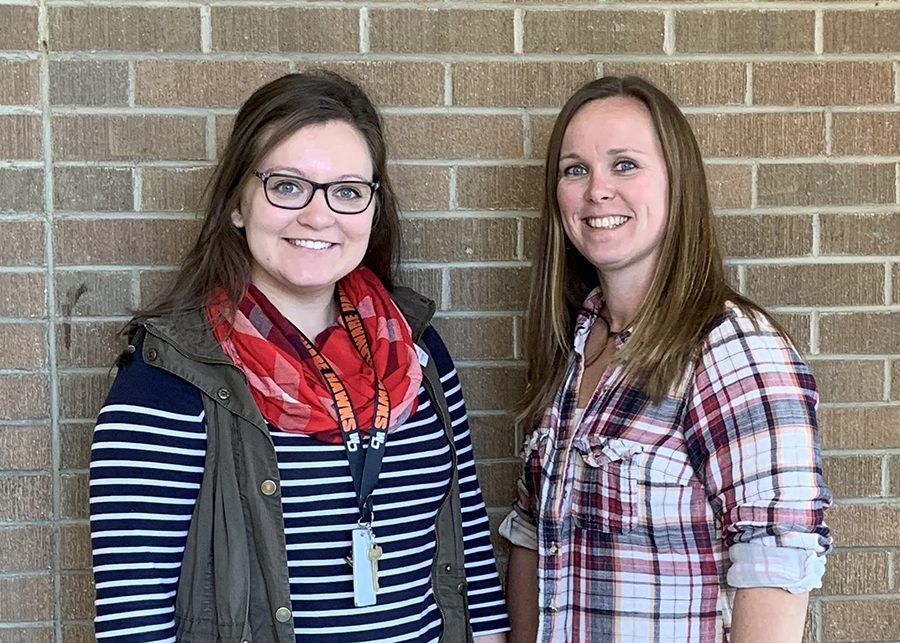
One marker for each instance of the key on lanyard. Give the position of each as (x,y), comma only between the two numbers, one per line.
(364,561)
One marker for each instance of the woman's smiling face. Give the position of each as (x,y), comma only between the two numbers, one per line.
(613,187)
(304,253)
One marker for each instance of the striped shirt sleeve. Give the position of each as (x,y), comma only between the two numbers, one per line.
(751,431)
(487,607)
(147,461)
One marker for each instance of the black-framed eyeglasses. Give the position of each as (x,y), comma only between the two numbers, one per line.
(294,193)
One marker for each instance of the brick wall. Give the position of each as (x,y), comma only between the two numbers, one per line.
(111,114)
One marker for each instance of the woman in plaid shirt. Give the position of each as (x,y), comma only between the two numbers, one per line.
(673,484)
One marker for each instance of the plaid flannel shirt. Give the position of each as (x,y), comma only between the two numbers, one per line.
(649,515)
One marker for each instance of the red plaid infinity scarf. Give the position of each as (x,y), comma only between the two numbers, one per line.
(288,387)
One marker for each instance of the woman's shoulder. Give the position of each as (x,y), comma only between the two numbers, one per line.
(745,335)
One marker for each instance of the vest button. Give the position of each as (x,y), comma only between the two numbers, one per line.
(283,615)
(223,393)
(461,588)
(151,355)
(448,567)
(268,487)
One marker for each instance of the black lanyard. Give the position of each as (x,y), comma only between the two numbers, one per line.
(365,467)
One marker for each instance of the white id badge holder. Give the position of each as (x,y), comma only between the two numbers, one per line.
(365,555)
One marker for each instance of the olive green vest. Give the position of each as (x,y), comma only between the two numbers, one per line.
(234,585)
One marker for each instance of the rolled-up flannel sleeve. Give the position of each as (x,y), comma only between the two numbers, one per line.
(519,527)
(751,432)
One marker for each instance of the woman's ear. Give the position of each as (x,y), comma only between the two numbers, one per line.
(237,218)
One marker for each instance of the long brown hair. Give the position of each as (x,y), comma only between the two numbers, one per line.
(688,291)
(220,257)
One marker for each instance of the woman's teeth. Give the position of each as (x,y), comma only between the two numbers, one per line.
(606,223)
(309,243)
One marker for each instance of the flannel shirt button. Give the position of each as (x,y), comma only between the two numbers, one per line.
(283,615)
(552,608)
(268,487)
(553,550)
(223,393)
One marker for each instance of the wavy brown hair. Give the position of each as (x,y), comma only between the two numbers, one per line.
(688,291)
(220,257)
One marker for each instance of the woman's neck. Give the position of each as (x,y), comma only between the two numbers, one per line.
(311,313)
(622,298)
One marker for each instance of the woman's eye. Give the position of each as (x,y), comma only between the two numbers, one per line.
(625,165)
(575,170)
(347,192)
(287,187)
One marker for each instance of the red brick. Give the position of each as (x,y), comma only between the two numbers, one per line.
(520,84)
(88,82)
(92,293)
(24,243)
(427,281)
(20,79)
(29,635)
(24,498)
(857,572)
(390,83)
(849,380)
(174,189)
(26,548)
(493,436)
(124,241)
(24,397)
(77,596)
(24,345)
(861,31)
(18,27)
(498,482)
(92,189)
(593,32)
(124,28)
(465,239)
(22,136)
(201,84)
(154,284)
(147,138)
(866,133)
(755,236)
(816,84)
(500,188)
(869,427)
(75,546)
(759,135)
(26,598)
(74,496)
(477,337)
(744,31)
(860,333)
(826,184)
(22,294)
(690,83)
(292,29)
(730,186)
(91,344)
(454,136)
(21,190)
(81,395)
(489,288)
(491,388)
(25,447)
(864,620)
(421,187)
(860,234)
(816,284)
(853,476)
(417,31)
(75,445)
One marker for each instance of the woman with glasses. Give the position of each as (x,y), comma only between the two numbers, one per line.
(673,483)
(284,454)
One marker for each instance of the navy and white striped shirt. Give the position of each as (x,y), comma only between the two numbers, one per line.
(146,467)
